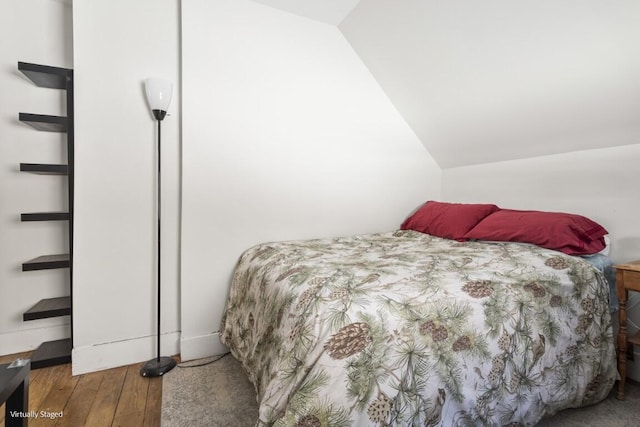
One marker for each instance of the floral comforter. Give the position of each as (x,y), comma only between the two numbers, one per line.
(406,329)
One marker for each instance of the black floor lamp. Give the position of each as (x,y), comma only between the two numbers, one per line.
(159,96)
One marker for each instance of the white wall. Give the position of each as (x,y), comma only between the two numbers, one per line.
(286,135)
(36,31)
(600,184)
(117,44)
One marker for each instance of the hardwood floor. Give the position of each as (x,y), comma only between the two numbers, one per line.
(114,397)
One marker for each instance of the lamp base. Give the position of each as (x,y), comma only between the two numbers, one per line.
(157,367)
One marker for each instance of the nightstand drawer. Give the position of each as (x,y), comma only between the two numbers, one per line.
(631,280)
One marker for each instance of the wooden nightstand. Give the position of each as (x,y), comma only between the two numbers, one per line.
(627,279)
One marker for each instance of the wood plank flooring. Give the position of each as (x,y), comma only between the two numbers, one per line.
(114,397)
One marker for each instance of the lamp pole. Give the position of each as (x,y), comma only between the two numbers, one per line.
(159,210)
(159,117)
(159,96)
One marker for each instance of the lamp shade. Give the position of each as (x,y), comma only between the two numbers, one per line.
(158,93)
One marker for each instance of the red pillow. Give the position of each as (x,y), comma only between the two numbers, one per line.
(568,233)
(447,220)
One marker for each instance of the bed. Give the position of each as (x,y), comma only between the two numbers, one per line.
(406,328)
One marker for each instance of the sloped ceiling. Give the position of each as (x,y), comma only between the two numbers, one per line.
(329,11)
(493,80)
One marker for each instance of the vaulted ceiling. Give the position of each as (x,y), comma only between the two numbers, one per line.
(329,11)
(495,80)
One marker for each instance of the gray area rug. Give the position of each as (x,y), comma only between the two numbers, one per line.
(220,395)
(214,395)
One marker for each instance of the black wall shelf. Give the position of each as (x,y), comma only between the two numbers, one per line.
(45,75)
(59,351)
(44,123)
(52,353)
(46,308)
(47,262)
(44,216)
(44,169)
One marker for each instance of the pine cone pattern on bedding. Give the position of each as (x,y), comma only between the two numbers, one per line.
(461,344)
(588,305)
(555,301)
(345,334)
(348,341)
(497,369)
(306,297)
(427,327)
(437,331)
(504,342)
(583,323)
(536,289)
(594,384)
(338,294)
(478,288)
(557,263)
(380,409)
(516,378)
(572,351)
(315,284)
(440,333)
(309,421)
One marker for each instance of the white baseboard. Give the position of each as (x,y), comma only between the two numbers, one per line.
(201,346)
(30,339)
(109,355)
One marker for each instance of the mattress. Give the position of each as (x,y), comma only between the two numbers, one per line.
(404,328)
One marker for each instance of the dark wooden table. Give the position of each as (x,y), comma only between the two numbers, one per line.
(14,391)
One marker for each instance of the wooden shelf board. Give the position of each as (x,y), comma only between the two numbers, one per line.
(44,168)
(47,262)
(44,216)
(44,122)
(45,75)
(51,353)
(46,308)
